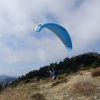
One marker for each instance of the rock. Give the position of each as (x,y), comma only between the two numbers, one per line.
(95,97)
(72,99)
(99,88)
(67,95)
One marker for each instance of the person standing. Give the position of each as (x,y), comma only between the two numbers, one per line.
(54,75)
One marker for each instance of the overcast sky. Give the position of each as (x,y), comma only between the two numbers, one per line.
(23,50)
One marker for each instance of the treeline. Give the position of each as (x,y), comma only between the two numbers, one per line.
(68,65)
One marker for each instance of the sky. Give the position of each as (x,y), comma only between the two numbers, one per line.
(23,50)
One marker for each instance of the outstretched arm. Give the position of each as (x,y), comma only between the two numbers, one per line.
(50,72)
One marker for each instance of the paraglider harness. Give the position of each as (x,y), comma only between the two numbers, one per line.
(54,74)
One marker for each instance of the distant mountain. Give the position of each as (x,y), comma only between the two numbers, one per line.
(4,79)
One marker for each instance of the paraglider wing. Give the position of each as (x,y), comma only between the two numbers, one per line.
(59,31)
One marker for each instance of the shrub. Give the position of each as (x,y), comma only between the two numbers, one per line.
(37,96)
(61,77)
(96,63)
(84,87)
(95,72)
(27,81)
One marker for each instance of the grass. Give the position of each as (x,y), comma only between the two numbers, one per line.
(77,86)
(58,82)
(96,72)
(85,87)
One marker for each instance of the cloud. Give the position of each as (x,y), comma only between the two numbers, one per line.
(19,43)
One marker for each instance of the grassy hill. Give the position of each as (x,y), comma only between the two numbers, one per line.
(82,85)
(78,79)
(67,65)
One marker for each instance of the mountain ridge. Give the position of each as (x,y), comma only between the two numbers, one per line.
(5,79)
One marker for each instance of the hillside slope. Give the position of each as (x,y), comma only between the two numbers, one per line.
(67,65)
(64,88)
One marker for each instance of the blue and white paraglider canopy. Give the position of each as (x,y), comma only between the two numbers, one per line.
(60,31)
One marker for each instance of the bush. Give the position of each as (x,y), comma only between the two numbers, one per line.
(84,87)
(96,63)
(60,77)
(95,72)
(27,81)
(37,96)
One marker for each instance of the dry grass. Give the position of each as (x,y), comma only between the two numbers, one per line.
(21,92)
(96,72)
(76,86)
(85,87)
